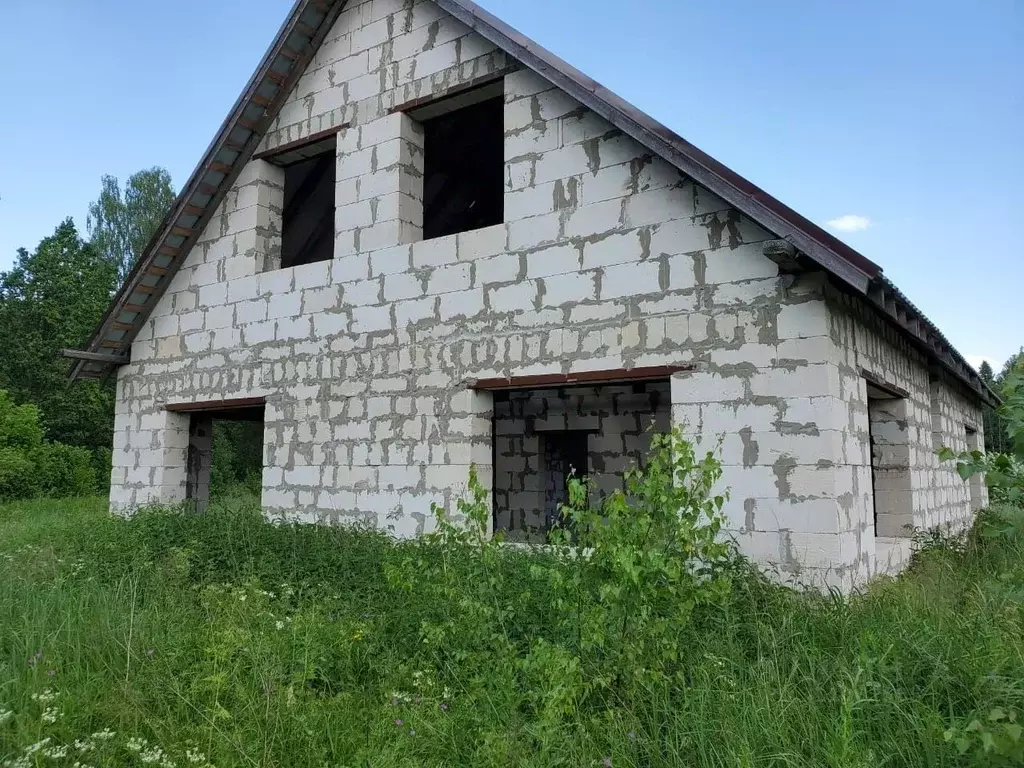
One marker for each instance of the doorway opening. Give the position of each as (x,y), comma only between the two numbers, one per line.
(225,451)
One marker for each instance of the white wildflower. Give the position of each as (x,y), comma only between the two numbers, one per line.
(84,746)
(195,756)
(46,696)
(31,749)
(50,715)
(57,753)
(154,755)
(136,744)
(105,735)
(279,625)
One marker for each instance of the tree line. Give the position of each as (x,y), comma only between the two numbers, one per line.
(997,439)
(55,438)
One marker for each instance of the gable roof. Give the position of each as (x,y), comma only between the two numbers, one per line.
(284,62)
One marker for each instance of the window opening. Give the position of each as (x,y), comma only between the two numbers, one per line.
(307,216)
(889,444)
(464,161)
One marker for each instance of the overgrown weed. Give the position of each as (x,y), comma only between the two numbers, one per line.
(221,639)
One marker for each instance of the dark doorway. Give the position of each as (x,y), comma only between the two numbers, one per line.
(542,436)
(565,456)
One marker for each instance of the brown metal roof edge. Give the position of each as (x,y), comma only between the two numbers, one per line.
(821,247)
(909,319)
(583,378)
(291,24)
(828,251)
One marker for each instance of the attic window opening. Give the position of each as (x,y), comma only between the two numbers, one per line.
(464,161)
(307,215)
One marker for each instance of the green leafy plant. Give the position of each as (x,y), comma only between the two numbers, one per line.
(643,561)
(1003,472)
(31,466)
(993,740)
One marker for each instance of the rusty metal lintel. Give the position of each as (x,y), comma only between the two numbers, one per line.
(455,90)
(216,405)
(882,384)
(291,146)
(583,378)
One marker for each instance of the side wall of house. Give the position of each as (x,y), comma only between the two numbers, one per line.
(608,258)
(936,411)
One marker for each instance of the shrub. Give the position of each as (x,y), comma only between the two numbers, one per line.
(31,466)
(645,560)
(1004,472)
(102,464)
(19,425)
(18,478)
(64,470)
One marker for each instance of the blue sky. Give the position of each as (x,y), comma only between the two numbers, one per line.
(906,118)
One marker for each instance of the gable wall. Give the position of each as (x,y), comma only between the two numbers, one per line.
(608,258)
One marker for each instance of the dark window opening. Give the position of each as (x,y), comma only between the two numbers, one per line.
(307,219)
(977,489)
(463,184)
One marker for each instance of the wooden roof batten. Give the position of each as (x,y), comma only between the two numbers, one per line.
(301,35)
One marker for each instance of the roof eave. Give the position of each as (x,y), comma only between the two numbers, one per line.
(284,62)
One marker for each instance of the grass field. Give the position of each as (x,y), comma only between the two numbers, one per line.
(222,640)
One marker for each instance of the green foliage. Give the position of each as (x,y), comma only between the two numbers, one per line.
(17,475)
(1004,472)
(996,438)
(644,561)
(51,299)
(31,466)
(19,425)
(243,643)
(120,224)
(995,740)
(237,459)
(64,470)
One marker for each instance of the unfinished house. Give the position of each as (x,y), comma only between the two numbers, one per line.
(421,242)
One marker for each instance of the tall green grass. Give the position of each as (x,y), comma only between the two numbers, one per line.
(223,640)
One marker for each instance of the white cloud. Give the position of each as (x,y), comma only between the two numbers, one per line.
(851,222)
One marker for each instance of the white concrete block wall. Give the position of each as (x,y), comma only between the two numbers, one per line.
(607,258)
(938,410)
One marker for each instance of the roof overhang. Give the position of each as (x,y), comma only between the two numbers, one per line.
(294,46)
